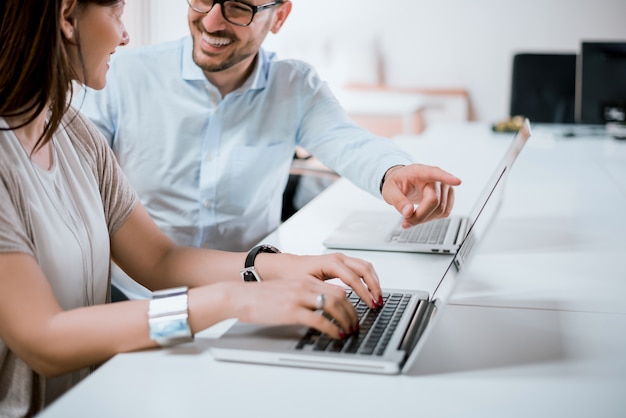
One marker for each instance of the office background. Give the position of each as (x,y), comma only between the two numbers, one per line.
(536,329)
(444,44)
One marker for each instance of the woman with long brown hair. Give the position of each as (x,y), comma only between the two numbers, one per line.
(66,210)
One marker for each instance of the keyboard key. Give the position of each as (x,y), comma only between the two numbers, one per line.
(376,328)
(433,232)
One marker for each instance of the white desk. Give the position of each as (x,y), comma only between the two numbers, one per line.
(538,329)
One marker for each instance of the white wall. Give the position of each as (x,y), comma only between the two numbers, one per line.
(152,21)
(442,43)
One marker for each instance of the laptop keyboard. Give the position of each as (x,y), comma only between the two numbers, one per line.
(376,328)
(432,232)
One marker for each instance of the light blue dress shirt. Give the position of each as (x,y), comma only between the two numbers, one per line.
(211,170)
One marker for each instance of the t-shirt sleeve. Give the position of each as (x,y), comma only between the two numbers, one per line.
(118,196)
(13,235)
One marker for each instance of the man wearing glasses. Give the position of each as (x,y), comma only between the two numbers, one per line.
(206,128)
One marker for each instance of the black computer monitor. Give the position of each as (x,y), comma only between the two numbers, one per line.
(543,87)
(601,82)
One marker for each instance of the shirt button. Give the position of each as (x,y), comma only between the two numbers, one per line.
(207,204)
(210,157)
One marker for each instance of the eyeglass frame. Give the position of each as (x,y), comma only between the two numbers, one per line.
(255,9)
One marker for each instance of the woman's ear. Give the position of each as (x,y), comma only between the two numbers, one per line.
(67,18)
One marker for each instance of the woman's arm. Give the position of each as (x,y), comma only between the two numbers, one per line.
(53,341)
(152,259)
(147,255)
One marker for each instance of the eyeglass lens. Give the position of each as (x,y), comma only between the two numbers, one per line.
(233,11)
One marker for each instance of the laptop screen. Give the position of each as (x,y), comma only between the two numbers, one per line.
(483,214)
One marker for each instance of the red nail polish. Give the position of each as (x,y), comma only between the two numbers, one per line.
(342,335)
(381,302)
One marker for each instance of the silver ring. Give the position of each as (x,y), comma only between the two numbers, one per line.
(319,302)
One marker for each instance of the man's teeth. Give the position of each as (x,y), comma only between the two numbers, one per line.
(215,41)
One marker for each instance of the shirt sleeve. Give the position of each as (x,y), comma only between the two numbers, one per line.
(329,134)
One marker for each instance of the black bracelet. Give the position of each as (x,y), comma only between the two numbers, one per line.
(382,181)
(248,273)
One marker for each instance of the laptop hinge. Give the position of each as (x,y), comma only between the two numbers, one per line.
(460,235)
(420,319)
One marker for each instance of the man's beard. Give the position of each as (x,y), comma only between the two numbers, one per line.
(230,61)
(227,63)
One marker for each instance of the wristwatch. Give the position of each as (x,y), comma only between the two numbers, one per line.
(248,273)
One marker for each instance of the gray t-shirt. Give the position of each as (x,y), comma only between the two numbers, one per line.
(63,217)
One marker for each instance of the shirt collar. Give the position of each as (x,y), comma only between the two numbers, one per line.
(256,81)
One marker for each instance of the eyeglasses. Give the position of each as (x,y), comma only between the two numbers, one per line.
(235,12)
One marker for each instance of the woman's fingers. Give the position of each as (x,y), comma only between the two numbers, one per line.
(359,275)
(331,302)
(308,302)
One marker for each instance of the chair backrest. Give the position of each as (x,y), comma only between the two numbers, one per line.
(543,87)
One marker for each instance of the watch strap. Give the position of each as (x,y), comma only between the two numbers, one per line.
(249,273)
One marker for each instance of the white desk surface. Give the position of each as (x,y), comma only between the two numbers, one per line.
(537,329)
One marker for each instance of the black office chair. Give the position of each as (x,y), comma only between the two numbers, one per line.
(543,87)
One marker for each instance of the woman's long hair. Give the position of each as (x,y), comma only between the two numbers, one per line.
(35,70)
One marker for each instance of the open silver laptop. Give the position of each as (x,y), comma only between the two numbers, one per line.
(371,230)
(389,339)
